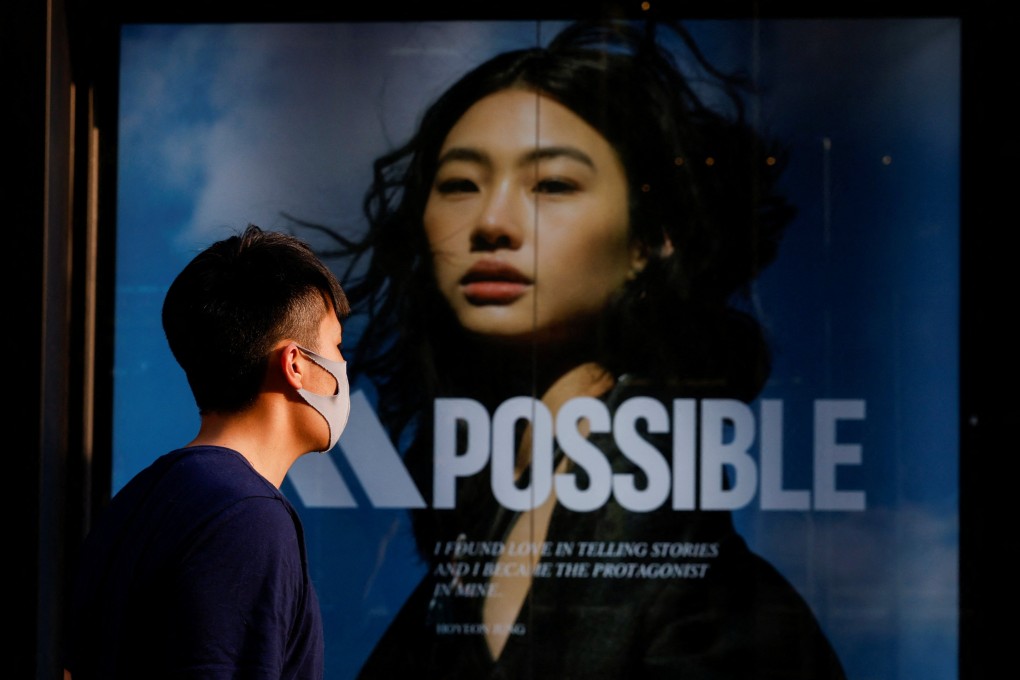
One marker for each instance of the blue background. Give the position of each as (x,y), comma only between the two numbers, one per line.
(226,124)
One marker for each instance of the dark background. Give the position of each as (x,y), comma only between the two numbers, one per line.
(58,329)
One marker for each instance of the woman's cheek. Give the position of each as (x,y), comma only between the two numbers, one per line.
(446,279)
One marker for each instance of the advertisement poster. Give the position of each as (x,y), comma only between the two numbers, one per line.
(614,416)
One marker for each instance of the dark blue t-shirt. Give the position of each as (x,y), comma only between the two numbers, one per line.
(196,570)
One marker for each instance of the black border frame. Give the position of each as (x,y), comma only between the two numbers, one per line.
(82,486)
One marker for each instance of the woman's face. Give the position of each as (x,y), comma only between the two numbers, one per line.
(527,220)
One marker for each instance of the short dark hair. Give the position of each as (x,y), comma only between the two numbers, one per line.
(234,301)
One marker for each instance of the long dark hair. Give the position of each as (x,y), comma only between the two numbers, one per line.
(702,203)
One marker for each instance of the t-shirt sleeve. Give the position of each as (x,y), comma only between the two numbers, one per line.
(236,593)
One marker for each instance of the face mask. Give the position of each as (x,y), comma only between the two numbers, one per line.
(334,408)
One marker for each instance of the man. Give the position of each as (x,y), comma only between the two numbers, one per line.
(198,569)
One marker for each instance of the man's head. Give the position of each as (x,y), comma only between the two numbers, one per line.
(234,302)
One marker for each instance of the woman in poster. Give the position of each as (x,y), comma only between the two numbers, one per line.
(565,240)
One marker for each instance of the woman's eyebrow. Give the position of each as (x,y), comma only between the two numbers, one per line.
(462,153)
(548,152)
(472,155)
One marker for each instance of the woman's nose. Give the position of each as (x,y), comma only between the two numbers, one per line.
(500,225)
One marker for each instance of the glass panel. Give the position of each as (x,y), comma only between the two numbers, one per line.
(841,471)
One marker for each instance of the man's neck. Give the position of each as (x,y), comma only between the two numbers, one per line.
(265,444)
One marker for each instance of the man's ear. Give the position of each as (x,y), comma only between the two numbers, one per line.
(292,365)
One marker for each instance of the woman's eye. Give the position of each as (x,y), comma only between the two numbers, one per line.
(455,186)
(555,186)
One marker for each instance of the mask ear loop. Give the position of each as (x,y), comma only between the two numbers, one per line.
(334,368)
(335,408)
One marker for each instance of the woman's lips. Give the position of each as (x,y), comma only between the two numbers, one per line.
(491,282)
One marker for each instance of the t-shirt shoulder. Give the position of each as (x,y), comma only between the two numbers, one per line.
(191,486)
(214,470)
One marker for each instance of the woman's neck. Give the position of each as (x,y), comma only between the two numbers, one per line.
(586,380)
(497,371)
